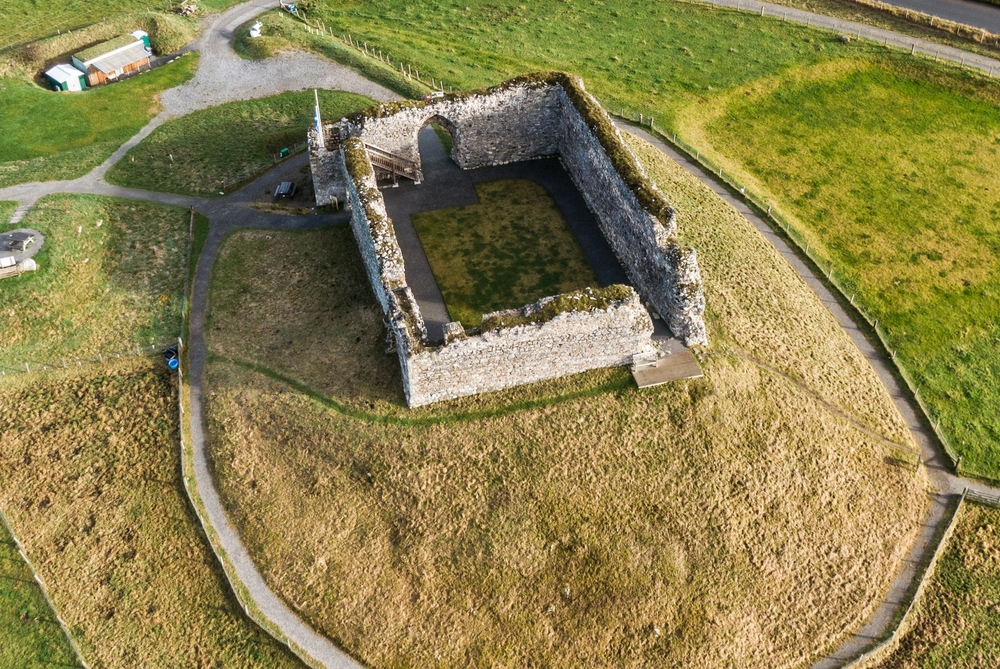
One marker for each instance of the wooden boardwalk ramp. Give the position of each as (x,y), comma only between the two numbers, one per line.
(651,370)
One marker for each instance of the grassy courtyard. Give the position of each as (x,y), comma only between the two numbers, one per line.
(30,636)
(912,227)
(110,277)
(92,486)
(510,249)
(191,155)
(577,522)
(958,624)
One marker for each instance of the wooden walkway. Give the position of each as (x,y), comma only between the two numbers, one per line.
(681,365)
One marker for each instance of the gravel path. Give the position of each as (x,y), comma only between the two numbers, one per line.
(223,76)
(945,483)
(975,13)
(989,65)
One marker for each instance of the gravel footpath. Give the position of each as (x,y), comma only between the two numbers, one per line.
(224,77)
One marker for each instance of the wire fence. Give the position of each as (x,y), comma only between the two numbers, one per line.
(362,48)
(789,226)
(39,367)
(44,591)
(890,643)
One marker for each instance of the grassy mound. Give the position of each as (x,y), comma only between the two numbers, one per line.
(7,208)
(510,249)
(906,206)
(29,633)
(192,155)
(577,522)
(110,277)
(958,624)
(92,487)
(79,130)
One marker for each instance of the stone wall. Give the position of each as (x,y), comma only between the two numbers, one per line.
(327,172)
(503,124)
(571,342)
(665,271)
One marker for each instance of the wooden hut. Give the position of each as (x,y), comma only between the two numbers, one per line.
(110,60)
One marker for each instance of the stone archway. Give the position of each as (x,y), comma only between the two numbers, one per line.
(447,132)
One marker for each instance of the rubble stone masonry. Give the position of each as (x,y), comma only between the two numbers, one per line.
(529,117)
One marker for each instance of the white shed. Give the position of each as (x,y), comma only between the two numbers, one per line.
(66,78)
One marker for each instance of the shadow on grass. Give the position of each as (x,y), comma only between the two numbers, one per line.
(622,383)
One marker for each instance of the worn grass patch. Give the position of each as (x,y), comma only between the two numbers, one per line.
(80,130)
(745,519)
(92,487)
(907,208)
(193,154)
(510,249)
(30,636)
(100,288)
(7,208)
(958,624)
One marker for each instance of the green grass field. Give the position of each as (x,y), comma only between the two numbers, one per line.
(193,154)
(958,623)
(92,486)
(688,66)
(906,207)
(510,249)
(30,636)
(28,19)
(577,522)
(101,290)
(79,131)
(7,208)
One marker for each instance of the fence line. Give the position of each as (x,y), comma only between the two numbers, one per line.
(890,644)
(45,593)
(30,367)
(362,48)
(982,498)
(778,220)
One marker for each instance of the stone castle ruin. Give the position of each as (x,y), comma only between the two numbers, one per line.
(529,117)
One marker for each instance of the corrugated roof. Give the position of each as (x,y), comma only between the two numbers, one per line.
(104,47)
(117,61)
(63,72)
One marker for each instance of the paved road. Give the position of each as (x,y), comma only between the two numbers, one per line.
(946,485)
(969,12)
(989,65)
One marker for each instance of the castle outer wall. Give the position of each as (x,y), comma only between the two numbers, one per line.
(523,119)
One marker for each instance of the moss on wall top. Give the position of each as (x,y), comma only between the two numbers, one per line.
(548,308)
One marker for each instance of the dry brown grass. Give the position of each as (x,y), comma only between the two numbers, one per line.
(729,521)
(90,481)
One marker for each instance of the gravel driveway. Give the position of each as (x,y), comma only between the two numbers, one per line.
(223,76)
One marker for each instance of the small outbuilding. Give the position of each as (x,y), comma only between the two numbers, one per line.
(65,77)
(110,60)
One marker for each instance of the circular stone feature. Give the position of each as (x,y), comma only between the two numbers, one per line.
(22,243)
